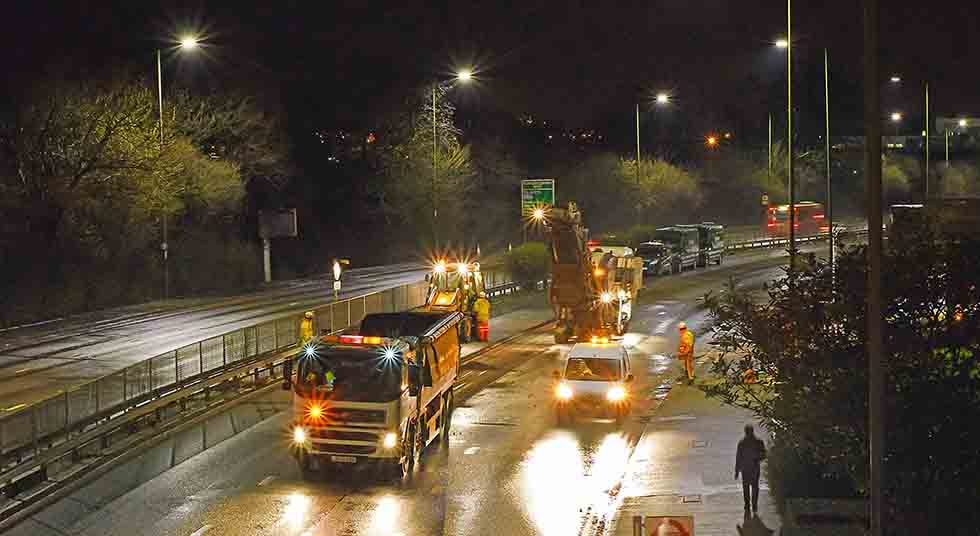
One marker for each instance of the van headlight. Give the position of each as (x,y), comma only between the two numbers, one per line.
(390,440)
(616,394)
(299,435)
(563,391)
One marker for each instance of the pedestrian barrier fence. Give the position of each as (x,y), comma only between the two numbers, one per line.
(29,430)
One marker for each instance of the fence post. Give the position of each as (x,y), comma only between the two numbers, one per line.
(224,353)
(275,334)
(67,413)
(176,369)
(200,358)
(125,383)
(35,429)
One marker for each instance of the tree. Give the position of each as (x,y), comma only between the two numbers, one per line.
(806,345)
(660,188)
(419,188)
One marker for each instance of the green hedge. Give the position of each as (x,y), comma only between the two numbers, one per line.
(529,263)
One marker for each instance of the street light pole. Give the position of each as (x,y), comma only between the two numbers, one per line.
(926,141)
(435,153)
(163,246)
(789,133)
(830,199)
(637,144)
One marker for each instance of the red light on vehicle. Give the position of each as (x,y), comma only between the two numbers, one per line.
(818,216)
(771,224)
(352,339)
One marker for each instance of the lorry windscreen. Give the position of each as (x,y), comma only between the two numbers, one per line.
(650,252)
(355,377)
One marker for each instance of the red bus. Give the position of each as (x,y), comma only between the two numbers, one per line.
(810,220)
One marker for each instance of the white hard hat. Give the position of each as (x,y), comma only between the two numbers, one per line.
(682,326)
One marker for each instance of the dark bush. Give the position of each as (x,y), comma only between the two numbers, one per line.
(529,263)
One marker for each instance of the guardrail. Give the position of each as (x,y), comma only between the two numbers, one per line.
(773,242)
(28,433)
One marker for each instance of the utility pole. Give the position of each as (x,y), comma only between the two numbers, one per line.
(872,165)
(789,134)
(830,198)
(946,135)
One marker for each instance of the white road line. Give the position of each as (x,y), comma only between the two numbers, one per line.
(471,450)
(201,531)
(482,372)
(266,480)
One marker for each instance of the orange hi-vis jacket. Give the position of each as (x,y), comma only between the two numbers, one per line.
(685,350)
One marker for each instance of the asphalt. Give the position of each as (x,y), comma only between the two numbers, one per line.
(508,468)
(40,360)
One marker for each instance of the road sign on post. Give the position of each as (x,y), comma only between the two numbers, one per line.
(537,193)
(275,224)
(765,199)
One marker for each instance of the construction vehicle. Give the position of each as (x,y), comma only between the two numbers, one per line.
(454,286)
(377,397)
(592,290)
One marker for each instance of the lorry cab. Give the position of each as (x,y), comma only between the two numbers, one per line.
(711,242)
(682,240)
(594,379)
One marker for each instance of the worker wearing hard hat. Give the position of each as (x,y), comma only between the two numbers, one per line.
(685,350)
(306,327)
(481,307)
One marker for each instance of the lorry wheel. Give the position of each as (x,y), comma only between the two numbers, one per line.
(447,417)
(419,445)
(720,257)
(407,462)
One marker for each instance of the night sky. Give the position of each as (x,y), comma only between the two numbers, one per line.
(580,62)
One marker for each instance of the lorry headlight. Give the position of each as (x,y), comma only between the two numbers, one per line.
(606,297)
(563,391)
(390,440)
(299,435)
(616,394)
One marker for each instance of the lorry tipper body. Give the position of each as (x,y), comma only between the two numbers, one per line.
(380,396)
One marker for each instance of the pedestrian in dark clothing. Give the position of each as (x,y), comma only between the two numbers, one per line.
(751,452)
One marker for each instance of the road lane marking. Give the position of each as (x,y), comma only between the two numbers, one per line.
(201,531)
(266,480)
(471,450)
(482,372)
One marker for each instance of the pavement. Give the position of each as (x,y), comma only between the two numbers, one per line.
(508,468)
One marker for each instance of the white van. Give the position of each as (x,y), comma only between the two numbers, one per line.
(594,379)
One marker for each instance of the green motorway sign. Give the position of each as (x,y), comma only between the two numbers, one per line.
(536,193)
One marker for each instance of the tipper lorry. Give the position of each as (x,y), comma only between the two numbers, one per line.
(376,397)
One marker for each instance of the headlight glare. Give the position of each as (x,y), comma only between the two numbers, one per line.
(299,435)
(563,391)
(390,440)
(616,394)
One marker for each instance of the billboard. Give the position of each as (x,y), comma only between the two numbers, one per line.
(536,193)
(277,223)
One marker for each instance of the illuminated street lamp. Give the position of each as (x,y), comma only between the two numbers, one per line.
(538,214)
(464,76)
(896,118)
(782,43)
(962,123)
(188,42)
(711,141)
(662,99)
(896,79)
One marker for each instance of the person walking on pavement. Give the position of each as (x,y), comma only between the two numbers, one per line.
(482,309)
(685,350)
(751,451)
(306,328)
